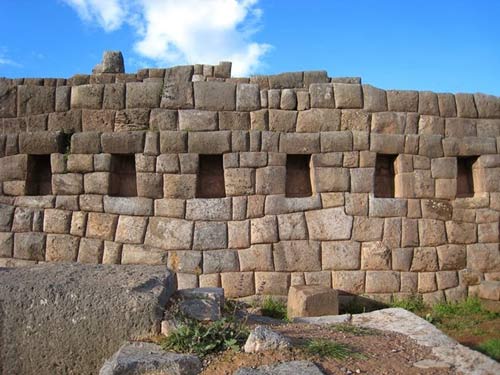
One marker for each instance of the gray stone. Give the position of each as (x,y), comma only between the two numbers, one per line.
(81,315)
(35,100)
(215,96)
(169,234)
(329,224)
(201,303)
(128,206)
(286,80)
(324,320)
(263,338)
(195,120)
(112,62)
(123,142)
(143,94)
(285,368)
(247,97)
(148,358)
(318,119)
(209,235)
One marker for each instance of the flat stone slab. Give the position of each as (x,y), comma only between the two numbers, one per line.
(68,318)
(285,368)
(327,319)
(136,358)
(447,350)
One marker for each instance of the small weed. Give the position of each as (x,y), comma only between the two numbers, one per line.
(353,330)
(273,308)
(329,349)
(491,348)
(205,338)
(414,304)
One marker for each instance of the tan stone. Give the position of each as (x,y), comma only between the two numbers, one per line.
(270,180)
(131,229)
(210,281)
(112,253)
(375,256)
(78,223)
(139,254)
(169,234)
(272,283)
(238,234)
(256,258)
(264,230)
(451,257)
(297,256)
(61,248)
(461,233)
(446,279)
(340,255)
(292,226)
(382,282)
(367,228)
(349,281)
(427,282)
(239,181)
(90,251)
(424,259)
(483,257)
(185,261)
(312,300)
(209,235)
(431,232)
(56,221)
(328,224)
(179,186)
(238,284)
(101,226)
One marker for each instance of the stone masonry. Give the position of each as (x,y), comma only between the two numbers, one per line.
(254,184)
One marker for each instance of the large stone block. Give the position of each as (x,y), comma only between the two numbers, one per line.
(428,103)
(101,226)
(329,224)
(362,180)
(488,106)
(297,256)
(209,235)
(8,98)
(286,80)
(29,246)
(216,261)
(461,233)
(34,100)
(143,94)
(209,142)
(131,229)
(90,251)
(62,248)
(447,106)
(256,258)
(387,143)
(137,206)
(340,255)
(67,184)
(114,96)
(292,226)
(215,95)
(388,123)
(247,97)
(86,143)
(132,119)
(264,230)
(424,259)
(97,120)
(299,143)
(367,228)
(169,234)
(336,141)
(375,99)
(349,281)
(238,284)
(402,101)
(123,142)
(177,95)
(272,283)
(318,119)
(483,257)
(195,120)
(282,121)
(56,221)
(321,95)
(40,143)
(7,245)
(140,254)
(77,297)
(217,209)
(348,95)
(431,232)
(13,167)
(330,179)
(375,256)
(312,300)
(387,207)
(270,180)
(382,282)
(239,181)
(87,97)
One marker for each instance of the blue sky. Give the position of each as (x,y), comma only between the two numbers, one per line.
(443,46)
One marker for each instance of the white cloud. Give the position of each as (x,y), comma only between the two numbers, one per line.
(109,14)
(185,31)
(4,60)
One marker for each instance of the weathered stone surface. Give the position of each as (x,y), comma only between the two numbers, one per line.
(382,282)
(270,180)
(86,143)
(483,257)
(214,95)
(130,229)
(256,258)
(40,143)
(297,256)
(143,94)
(140,254)
(209,235)
(367,228)
(204,304)
(169,234)
(451,257)
(112,62)
(374,99)
(86,97)
(317,119)
(348,95)
(321,95)
(29,246)
(424,259)
(76,298)
(34,100)
(286,80)
(209,142)
(488,106)
(128,206)
(294,367)
(375,256)
(388,123)
(195,120)
(8,95)
(292,227)
(131,119)
(263,338)
(239,181)
(264,230)
(114,96)
(13,167)
(340,255)
(123,142)
(67,184)
(216,261)
(402,101)
(328,224)
(311,300)
(282,121)
(216,209)
(247,97)
(431,232)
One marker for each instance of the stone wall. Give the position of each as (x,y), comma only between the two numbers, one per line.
(311,180)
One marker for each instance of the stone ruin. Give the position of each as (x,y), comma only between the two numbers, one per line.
(254,184)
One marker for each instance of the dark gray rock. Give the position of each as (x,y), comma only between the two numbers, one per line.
(68,318)
(201,303)
(112,62)
(146,358)
(286,368)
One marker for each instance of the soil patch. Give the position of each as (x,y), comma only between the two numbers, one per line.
(376,352)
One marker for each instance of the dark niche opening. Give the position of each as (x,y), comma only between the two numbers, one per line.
(384,176)
(210,177)
(298,176)
(465,179)
(39,176)
(123,176)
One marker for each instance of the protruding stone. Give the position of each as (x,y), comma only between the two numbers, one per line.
(112,62)
(311,300)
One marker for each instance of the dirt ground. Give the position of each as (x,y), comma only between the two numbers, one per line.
(376,353)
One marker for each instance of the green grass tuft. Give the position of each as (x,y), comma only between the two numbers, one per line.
(274,309)
(329,349)
(414,303)
(491,348)
(353,330)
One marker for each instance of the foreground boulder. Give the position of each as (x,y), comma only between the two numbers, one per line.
(263,338)
(144,358)
(68,318)
(201,303)
(285,368)
(312,300)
